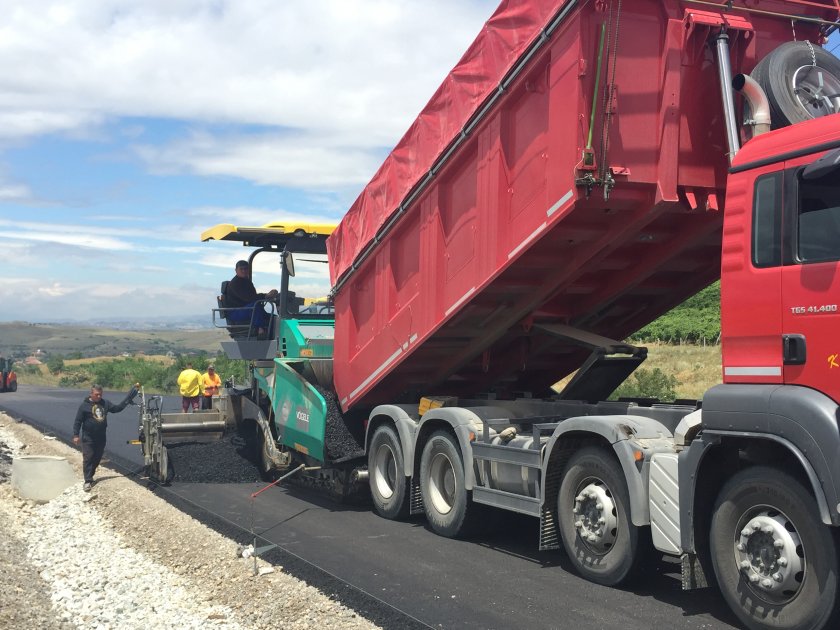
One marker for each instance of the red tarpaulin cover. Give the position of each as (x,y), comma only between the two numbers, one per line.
(514,25)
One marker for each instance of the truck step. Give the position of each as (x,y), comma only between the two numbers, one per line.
(507,500)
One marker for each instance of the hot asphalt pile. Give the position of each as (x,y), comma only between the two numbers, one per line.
(340,443)
(229,460)
(235,457)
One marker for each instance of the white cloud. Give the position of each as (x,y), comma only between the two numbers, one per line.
(53,290)
(23,299)
(305,97)
(345,76)
(75,235)
(14,192)
(22,123)
(322,64)
(294,161)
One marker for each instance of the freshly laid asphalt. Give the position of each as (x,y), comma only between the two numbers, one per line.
(398,574)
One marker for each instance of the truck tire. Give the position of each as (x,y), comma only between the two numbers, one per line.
(442,483)
(13,386)
(594,517)
(388,483)
(782,574)
(791,81)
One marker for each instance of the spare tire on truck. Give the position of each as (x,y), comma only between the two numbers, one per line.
(801,80)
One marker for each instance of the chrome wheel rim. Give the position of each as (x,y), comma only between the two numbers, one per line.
(769,554)
(815,89)
(595,516)
(384,471)
(443,486)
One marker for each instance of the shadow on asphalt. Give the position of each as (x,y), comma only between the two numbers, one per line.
(659,579)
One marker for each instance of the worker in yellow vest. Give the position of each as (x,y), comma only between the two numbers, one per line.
(189,382)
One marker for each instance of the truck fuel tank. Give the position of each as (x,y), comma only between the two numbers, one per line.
(510,477)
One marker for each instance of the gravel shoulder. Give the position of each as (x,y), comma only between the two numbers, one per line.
(76,562)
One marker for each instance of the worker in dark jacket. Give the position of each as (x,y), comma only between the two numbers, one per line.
(92,420)
(241,293)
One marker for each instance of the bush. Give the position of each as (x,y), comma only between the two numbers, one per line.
(121,374)
(75,379)
(55,364)
(648,384)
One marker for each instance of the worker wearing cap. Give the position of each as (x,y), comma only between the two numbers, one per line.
(211,382)
(248,305)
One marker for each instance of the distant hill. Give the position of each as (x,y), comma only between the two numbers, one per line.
(193,322)
(21,339)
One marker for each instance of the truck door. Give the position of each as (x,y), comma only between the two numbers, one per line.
(811,278)
(751,283)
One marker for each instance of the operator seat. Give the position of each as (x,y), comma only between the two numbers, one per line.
(236,331)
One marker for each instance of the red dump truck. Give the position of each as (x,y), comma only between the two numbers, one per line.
(584,168)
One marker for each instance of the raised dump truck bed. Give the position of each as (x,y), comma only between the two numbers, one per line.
(583,186)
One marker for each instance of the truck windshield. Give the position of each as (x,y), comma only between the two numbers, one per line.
(818,224)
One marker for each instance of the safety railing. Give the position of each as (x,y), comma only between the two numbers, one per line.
(250,329)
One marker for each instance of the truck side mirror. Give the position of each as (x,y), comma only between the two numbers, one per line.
(823,166)
(289,263)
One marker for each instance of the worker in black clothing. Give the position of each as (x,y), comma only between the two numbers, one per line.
(242,293)
(92,420)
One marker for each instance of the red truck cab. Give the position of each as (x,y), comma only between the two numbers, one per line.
(779,272)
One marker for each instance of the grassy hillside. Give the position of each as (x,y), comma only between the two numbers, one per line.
(157,374)
(697,320)
(41,375)
(694,368)
(20,339)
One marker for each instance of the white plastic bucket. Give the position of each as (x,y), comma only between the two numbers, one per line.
(41,478)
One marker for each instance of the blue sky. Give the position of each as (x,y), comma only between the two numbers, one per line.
(127,128)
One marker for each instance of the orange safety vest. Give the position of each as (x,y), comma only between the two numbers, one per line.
(211,384)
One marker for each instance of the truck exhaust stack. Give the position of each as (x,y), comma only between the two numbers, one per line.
(757,99)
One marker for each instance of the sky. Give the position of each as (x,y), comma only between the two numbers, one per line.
(128,128)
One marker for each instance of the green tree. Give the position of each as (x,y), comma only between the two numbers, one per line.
(55,364)
(695,320)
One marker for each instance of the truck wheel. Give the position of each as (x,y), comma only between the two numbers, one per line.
(13,386)
(388,483)
(775,561)
(801,81)
(443,486)
(594,517)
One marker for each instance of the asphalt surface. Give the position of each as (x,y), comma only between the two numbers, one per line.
(400,574)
